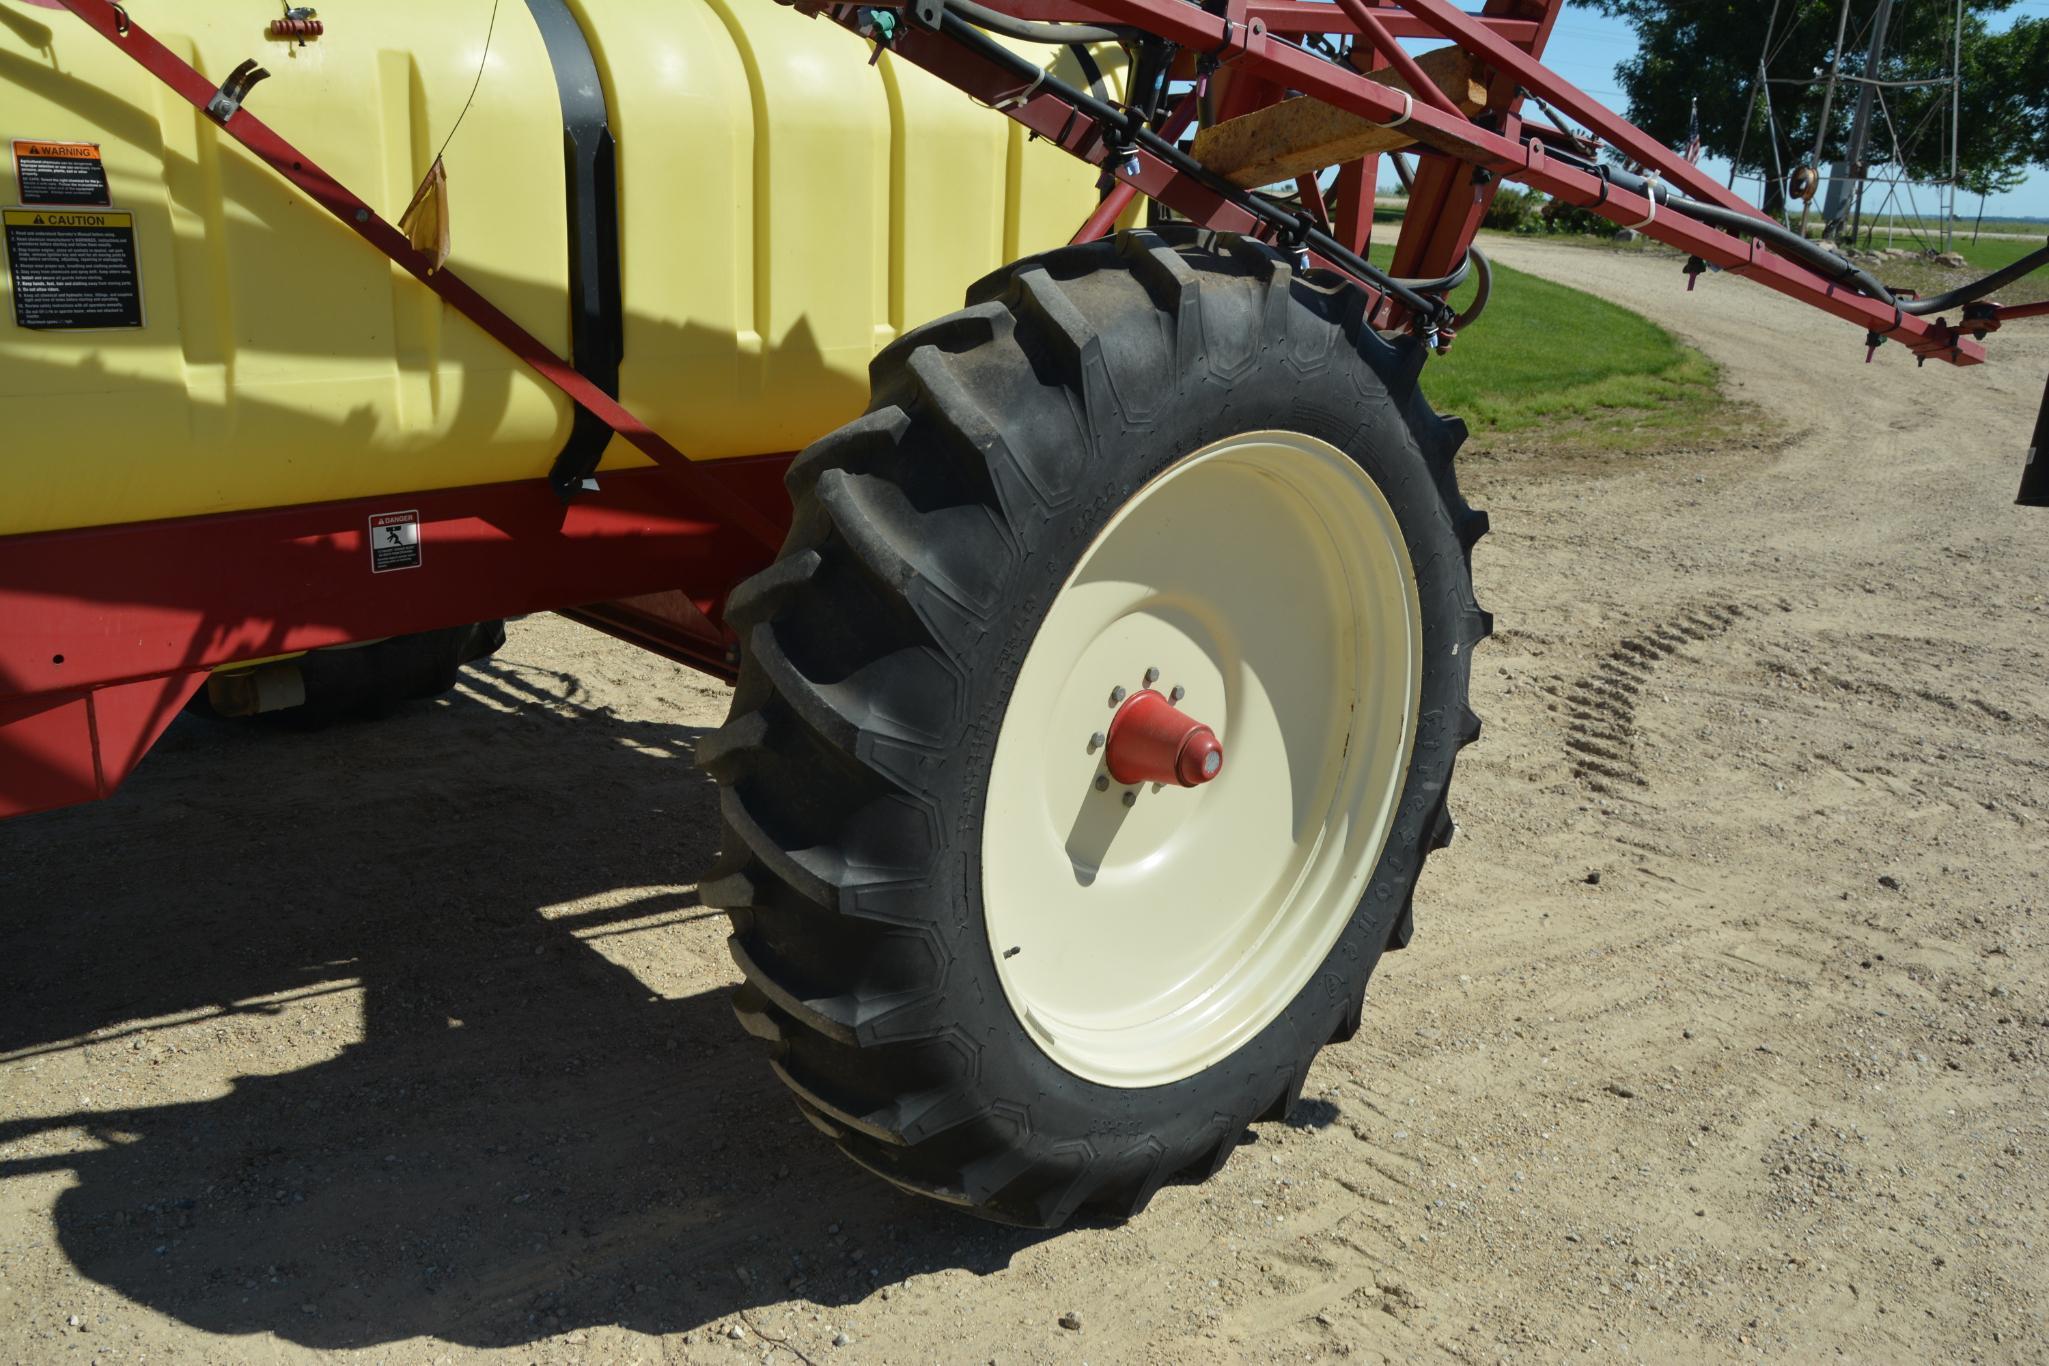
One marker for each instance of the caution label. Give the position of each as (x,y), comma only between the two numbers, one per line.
(60,173)
(394,541)
(73,268)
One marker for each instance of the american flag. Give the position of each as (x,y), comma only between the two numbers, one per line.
(1693,135)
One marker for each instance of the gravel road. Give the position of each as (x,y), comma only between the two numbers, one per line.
(1723,1035)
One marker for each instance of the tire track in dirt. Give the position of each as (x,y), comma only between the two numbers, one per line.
(1600,706)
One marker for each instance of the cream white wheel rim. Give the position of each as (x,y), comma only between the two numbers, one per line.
(1267,576)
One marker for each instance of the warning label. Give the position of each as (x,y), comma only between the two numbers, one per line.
(60,173)
(394,541)
(73,268)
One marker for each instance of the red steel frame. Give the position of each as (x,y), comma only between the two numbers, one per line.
(1253,41)
(105,632)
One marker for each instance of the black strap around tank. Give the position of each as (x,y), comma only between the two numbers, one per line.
(597,336)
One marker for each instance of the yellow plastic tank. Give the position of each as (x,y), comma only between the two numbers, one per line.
(784,211)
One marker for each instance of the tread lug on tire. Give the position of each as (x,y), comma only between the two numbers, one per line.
(961,949)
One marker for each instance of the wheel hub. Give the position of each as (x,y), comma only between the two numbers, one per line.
(1153,741)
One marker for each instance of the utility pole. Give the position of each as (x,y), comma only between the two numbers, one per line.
(1828,97)
(1760,86)
(1860,122)
(1956,108)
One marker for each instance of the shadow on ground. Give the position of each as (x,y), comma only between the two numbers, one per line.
(525,1138)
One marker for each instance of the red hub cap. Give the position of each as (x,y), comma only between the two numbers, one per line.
(1150,741)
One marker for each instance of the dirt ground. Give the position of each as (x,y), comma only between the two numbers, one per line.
(1723,1035)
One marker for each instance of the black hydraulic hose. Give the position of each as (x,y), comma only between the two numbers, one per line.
(1817,257)
(1291,205)
(1830,264)
(1030,31)
(1978,289)
(1299,226)
(1477,259)
(1826,261)
(1442,283)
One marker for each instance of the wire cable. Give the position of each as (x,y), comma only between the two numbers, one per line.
(483,60)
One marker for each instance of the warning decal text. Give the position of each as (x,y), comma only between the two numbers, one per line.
(73,268)
(60,173)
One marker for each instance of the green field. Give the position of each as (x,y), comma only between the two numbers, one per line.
(1987,253)
(1544,355)
(1990,253)
(1931,228)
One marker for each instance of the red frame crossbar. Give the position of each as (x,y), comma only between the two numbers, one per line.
(105,631)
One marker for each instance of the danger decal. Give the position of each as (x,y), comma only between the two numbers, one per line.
(394,541)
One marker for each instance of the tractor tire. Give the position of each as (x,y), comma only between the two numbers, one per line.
(989,973)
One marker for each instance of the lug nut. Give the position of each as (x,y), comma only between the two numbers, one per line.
(1178,693)
(1116,695)
(1095,741)
(1131,799)
(1102,783)
(1152,676)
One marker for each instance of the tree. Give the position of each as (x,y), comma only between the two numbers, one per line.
(1984,182)
(1709,50)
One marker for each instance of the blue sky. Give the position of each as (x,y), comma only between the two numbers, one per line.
(1586,47)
